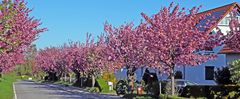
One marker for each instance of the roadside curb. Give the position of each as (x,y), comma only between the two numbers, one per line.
(14,91)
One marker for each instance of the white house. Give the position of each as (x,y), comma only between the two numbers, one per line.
(204,73)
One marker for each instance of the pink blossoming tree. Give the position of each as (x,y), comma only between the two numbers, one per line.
(233,38)
(51,60)
(175,39)
(17,31)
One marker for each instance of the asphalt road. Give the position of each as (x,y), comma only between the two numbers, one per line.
(33,90)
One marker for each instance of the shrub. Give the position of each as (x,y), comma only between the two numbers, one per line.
(163,87)
(103,85)
(222,76)
(211,92)
(109,77)
(92,89)
(234,70)
(166,87)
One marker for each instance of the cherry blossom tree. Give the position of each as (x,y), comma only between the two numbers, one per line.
(9,60)
(233,37)
(75,59)
(126,48)
(232,41)
(17,31)
(175,38)
(27,66)
(94,57)
(81,58)
(51,60)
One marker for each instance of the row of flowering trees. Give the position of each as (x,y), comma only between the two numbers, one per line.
(17,31)
(170,38)
(86,58)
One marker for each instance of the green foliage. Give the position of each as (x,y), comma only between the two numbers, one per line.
(92,89)
(104,88)
(27,67)
(211,92)
(235,71)
(63,83)
(109,77)
(25,77)
(145,96)
(6,88)
(39,75)
(162,96)
(167,88)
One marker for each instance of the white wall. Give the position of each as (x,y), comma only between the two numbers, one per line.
(197,73)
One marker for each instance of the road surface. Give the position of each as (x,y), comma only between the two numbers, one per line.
(33,90)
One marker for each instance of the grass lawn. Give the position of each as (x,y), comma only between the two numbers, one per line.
(6,88)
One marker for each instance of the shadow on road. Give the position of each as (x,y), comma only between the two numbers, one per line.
(54,91)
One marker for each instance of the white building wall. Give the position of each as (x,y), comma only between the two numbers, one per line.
(197,73)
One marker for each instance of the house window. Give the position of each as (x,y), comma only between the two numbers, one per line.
(208,49)
(209,73)
(178,75)
(225,21)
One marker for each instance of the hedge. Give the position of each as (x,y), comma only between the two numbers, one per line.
(212,92)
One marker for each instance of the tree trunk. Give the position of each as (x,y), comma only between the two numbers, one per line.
(93,80)
(65,77)
(77,76)
(172,81)
(81,82)
(0,73)
(130,77)
(82,75)
(70,78)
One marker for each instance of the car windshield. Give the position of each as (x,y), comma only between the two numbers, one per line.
(190,83)
(180,83)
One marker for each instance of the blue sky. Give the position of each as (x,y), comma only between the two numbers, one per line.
(70,20)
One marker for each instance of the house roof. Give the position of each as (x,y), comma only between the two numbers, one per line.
(227,50)
(217,14)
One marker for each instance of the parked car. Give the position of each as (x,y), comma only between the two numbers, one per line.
(184,83)
(181,83)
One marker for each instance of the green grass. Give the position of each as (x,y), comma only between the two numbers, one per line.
(63,83)
(6,88)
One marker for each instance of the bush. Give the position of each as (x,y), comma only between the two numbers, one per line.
(212,92)
(92,89)
(234,70)
(222,76)
(163,87)
(107,76)
(103,85)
